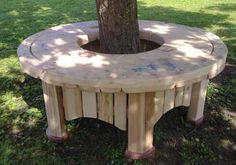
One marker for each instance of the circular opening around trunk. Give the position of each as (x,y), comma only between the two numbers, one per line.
(145,45)
(148,41)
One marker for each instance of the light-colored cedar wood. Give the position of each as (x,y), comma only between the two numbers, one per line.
(191,81)
(105,107)
(120,110)
(110,90)
(89,89)
(149,88)
(159,105)
(169,100)
(89,104)
(54,110)
(220,50)
(179,94)
(136,123)
(187,95)
(197,103)
(72,103)
(45,55)
(150,115)
(55,57)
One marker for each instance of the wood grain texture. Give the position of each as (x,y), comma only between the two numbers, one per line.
(169,101)
(105,107)
(45,55)
(179,94)
(150,116)
(187,95)
(54,110)
(72,100)
(159,105)
(197,103)
(136,123)
(120,35)
(89,104)
(120,110)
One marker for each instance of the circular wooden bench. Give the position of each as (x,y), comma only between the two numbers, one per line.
(131,92)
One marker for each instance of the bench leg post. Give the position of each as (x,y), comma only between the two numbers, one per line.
(198,97)
(140,132)
(56,130)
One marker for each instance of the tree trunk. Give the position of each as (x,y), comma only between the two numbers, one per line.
(118,26)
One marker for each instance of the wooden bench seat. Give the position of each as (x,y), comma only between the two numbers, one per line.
(131,92)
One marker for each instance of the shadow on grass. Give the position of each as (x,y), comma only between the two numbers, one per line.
(227,7)
(169,14)
(226,28)
(93,141)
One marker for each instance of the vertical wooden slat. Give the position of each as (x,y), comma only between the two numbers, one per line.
(105,107)
(136,122)
(54,110)
(89,104)
(72,103)
(179,94)
(159,105)
(154,102)
(120,110)
(150,115)
(198,98)
(187,95)
(169,99)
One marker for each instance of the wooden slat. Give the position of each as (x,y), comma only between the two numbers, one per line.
(159,105)
(187,95)
(120,110)
(154,106)
(169,100)
(110,90)
(54,110)
(105,107)
(150,115)
(89,104)
(136,122)
(72,103)
(197,100)
(179,94)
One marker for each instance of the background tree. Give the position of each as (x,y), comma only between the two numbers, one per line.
(118,26)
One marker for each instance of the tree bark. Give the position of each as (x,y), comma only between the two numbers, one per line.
(118,26)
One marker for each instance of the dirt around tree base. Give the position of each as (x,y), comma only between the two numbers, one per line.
(145,46)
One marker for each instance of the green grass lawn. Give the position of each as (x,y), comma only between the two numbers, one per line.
(22,112)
